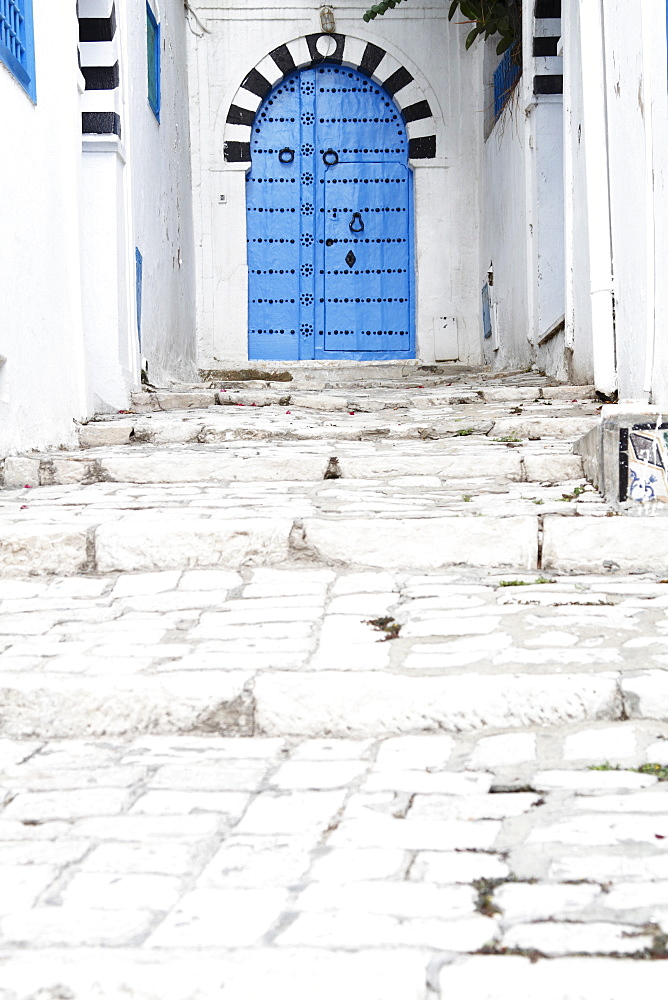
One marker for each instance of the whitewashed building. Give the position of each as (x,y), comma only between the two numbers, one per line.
(96,246)
(196,185)
(574,202)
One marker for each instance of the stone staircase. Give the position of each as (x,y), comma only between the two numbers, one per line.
(233,475)
(342,680)
(359,472)
(442,486)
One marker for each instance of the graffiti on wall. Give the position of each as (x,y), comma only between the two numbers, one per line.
(643,463)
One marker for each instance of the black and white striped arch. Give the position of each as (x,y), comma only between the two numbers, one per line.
(98,56)
(548,73)
(310,50)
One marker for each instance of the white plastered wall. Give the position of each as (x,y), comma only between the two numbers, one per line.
(523,220)
(159,162)
(633,107)
(637,106)
(505,243)
(232,38)
(136,193)
(42,380)
(578,318)
(657,59)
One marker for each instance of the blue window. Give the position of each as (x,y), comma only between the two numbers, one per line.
(506,76)
(153,60)
(17,45)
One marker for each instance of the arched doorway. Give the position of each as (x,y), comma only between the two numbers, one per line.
(329,221)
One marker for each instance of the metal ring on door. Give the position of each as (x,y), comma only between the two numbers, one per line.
(330,153)
(286,155)
(356,229)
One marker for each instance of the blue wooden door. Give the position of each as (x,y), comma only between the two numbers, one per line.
(329,206)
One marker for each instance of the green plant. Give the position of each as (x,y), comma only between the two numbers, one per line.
(485,902)
(464,432)
(489,17)
(659,771)
(467,498)
(386,625)
(567,497)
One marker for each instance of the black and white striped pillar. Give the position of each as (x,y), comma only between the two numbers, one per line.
(98,54)
(548,70)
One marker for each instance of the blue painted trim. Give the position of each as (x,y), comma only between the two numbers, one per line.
(486,313)
(139,279)
(153,61)
(23,68)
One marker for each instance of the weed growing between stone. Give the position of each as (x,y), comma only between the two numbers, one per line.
(660,771)
(386,625)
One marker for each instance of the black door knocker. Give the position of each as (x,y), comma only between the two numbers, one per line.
(330,157)
(286,155)
(356,229)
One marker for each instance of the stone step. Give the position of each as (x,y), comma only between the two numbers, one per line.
(230,423)
(65,541)
(286,462)
(333,703)
(325,371)
(361,397)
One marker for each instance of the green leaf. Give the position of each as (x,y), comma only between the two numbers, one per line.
(469,11)
(504,44)
(453,9)
(471,37)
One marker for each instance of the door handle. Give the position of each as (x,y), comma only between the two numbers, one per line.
(356,229)
(329,243)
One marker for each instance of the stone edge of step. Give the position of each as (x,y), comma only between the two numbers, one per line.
(298,704)
(551,542)
(267,393)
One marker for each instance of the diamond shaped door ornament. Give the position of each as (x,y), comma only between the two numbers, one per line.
(350,258)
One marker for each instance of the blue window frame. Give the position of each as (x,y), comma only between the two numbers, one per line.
(506,76)
(17,43)
(152,60)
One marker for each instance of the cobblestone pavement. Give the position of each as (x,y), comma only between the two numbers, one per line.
(411,867)
(307,651)
(298,708)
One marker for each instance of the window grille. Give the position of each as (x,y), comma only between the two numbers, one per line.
(17,47)
(153,60)
(506,76)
